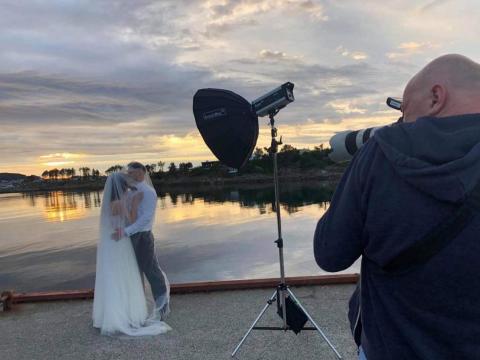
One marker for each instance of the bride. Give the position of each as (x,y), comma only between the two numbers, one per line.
(119,304)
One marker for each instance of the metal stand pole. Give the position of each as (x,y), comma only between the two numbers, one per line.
(279,241)
(282,288)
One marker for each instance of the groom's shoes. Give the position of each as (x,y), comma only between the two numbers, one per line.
(162,306)
(164,312)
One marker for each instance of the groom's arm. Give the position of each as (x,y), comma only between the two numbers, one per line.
(149,204)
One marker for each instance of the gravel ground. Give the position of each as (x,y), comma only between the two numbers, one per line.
(205,326)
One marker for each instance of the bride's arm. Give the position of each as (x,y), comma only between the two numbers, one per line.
(118,207)
(118,212)
(137,198)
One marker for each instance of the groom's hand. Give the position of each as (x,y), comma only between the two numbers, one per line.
(118,234)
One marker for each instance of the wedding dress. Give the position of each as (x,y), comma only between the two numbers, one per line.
(119,304)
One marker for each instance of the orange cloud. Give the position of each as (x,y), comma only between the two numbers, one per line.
(410,48)
(60,159)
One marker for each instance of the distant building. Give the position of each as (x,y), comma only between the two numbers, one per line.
(210,164)
(9,184)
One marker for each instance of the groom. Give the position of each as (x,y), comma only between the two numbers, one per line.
(140,233)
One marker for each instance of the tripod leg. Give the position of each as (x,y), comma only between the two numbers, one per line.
(314,323)
(255,323)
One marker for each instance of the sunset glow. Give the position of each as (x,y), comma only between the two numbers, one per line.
(110,82)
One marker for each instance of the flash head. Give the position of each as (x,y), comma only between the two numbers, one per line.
(274,100)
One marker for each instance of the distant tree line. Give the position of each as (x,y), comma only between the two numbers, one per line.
(289,157)
(58,173)
(68,173)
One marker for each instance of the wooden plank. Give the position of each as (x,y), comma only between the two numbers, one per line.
(52,295)
(263,283)
(206,286)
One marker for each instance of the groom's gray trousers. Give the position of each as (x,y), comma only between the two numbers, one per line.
(143,245)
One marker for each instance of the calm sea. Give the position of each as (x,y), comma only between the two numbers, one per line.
(48,240)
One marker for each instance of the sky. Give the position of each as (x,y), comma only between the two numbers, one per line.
(97,83)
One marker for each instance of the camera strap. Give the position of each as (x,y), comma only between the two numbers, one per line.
(439,237)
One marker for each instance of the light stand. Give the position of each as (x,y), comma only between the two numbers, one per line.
(282,289)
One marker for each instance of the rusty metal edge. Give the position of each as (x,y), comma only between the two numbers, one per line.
(185,288)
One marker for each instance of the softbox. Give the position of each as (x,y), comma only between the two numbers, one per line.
(227,123)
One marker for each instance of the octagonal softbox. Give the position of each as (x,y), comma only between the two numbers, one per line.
(227,123)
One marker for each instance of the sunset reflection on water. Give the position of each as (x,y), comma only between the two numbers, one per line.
(48,240)
(59,206)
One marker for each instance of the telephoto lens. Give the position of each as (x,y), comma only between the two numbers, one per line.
(345,144)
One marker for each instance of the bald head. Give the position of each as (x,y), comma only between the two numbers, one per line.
(449,85)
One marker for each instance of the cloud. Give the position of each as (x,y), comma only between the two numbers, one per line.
(277,55)
(345,107)
(225,16)
(60,159)
(115,121)
(231,11)
(314,9)
(355,55)
(31,97)
(410,48)
(432,5)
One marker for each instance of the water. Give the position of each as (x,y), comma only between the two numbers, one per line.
(48,240)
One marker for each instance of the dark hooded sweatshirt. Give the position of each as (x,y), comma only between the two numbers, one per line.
(400,185)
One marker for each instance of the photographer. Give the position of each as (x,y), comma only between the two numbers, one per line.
(420,288)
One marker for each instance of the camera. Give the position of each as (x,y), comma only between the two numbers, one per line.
(274,100)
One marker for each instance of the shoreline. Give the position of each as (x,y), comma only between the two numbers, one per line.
(329,177)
